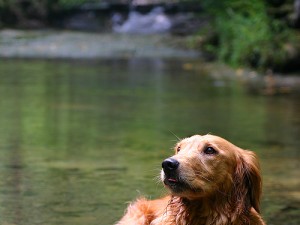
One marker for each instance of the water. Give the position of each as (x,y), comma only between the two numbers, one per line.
(78,140)
(154,22)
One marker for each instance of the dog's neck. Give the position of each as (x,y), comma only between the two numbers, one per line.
(212,211)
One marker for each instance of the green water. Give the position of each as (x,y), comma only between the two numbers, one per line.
(78,140)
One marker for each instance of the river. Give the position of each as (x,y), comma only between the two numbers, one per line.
(80,139)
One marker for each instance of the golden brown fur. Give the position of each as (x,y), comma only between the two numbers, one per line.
(210,180)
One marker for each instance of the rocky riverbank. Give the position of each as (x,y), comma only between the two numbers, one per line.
(53,44)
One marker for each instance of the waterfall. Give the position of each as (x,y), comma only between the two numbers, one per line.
(156,21)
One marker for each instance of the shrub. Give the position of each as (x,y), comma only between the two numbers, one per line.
(247,35)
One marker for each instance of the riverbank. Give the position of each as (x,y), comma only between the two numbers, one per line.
(52,44)
(258,83)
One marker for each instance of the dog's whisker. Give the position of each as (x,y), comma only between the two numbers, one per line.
(178,139)
(156,170)
(217,189)
(199,174)
(157,179)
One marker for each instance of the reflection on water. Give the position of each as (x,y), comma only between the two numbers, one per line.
(78,140)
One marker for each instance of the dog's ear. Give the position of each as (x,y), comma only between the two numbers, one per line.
(247,182)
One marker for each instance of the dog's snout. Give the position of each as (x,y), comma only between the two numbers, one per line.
(170,164)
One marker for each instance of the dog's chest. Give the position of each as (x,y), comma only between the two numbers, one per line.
(179,219)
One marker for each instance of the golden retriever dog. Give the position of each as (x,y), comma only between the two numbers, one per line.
(210,180)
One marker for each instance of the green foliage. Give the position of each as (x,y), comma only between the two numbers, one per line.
(70,3)
(60,3)
(247,34)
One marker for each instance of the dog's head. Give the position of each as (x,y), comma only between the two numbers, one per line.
(207,166)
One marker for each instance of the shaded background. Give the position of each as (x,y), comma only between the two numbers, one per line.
(87,117)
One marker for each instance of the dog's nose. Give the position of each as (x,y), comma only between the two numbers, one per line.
(170,164)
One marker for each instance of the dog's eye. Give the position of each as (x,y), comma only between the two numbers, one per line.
(178,149)
(210,151)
